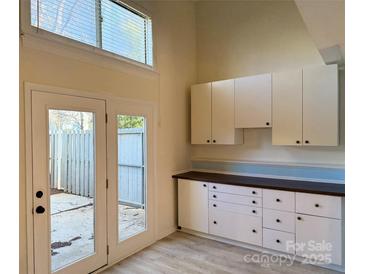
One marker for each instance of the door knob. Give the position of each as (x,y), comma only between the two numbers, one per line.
(40,210)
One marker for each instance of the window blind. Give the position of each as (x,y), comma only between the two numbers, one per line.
(107,24)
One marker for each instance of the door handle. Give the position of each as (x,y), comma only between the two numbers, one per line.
(40,209)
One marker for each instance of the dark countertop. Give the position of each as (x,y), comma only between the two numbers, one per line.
(270,183)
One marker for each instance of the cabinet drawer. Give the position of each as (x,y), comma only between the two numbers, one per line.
(236,199)
(235,208)
(278,240)
(319,205)
(280,200)
(234,226)
(279,220)
(238,190)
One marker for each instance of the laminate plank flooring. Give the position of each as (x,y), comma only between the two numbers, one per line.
(184,253)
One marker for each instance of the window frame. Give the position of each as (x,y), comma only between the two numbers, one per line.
(26,29)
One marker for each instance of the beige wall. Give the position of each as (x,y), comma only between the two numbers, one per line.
(238,38)
(52,64)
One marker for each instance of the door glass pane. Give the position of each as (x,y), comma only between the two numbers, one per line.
(72,185)
(131,175)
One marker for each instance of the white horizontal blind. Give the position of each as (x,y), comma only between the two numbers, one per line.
(106,24)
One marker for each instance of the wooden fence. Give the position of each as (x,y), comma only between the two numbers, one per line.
(72,163)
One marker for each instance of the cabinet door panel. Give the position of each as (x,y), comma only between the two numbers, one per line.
(320,105)
(193,205)
(319,239)
(253,101)
(201,111)
(287,108)
(223,131)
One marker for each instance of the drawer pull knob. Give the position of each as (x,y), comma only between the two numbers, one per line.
(254,230)
(278,241)
(214,141)
(299,218)
(215,222)
(214,196)
(298,142)
(214,205)
(254,202)
(208,141)
(214,187)
(254,211)
(204,185)
(278,220)
(253,192)
(306,141)
(278,200)
(316,205)
(267,123)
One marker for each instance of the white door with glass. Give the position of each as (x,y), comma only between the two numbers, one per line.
(130,175)
(69,183)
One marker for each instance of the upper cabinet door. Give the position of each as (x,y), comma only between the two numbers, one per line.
(320,105)
(201,112)
(287,108)
(223,130)
(253,101)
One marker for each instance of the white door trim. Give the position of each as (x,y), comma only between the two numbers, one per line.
(28,87)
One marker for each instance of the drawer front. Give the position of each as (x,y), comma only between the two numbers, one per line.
(238,227)
(319,205)
(278,240)
(236,199)
(280,200)
(239,190)
(235,208)
(279,220)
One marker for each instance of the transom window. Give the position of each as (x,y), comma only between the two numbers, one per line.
(110,25)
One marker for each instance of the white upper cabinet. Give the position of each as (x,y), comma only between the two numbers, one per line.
(320,105)
(201,113)
(287,108)
(253,101)
(212,114)
(223,130)
(305,107)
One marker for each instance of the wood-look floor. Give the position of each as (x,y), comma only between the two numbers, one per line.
(184,253)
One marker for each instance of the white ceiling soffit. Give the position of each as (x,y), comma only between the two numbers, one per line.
(325,21)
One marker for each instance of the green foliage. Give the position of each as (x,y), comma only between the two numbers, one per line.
(126,121)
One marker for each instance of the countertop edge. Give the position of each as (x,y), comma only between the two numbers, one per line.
(312,187)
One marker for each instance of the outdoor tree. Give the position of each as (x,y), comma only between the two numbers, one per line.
(126,121)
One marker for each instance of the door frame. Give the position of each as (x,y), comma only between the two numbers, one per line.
(28,88)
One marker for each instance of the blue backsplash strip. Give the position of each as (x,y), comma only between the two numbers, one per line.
(300,172)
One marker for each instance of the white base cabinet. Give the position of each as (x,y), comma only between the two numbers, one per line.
(319,239)
(193,205)
(307,225)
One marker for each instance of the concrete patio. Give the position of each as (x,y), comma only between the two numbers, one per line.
(72,227)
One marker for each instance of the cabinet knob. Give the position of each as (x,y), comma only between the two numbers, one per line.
(213,141)
(316,205)
(208,141)
(39,194)
(214,187)
(254,202)
(267,123)
(214,205)
(306,141)
(215,222)
(278,220)
(40,209)
(254,211)
(253,192)
(254,230)
(299,218)
(214,196)
(298,142)
(278,241)
(278,200)
(204,185)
